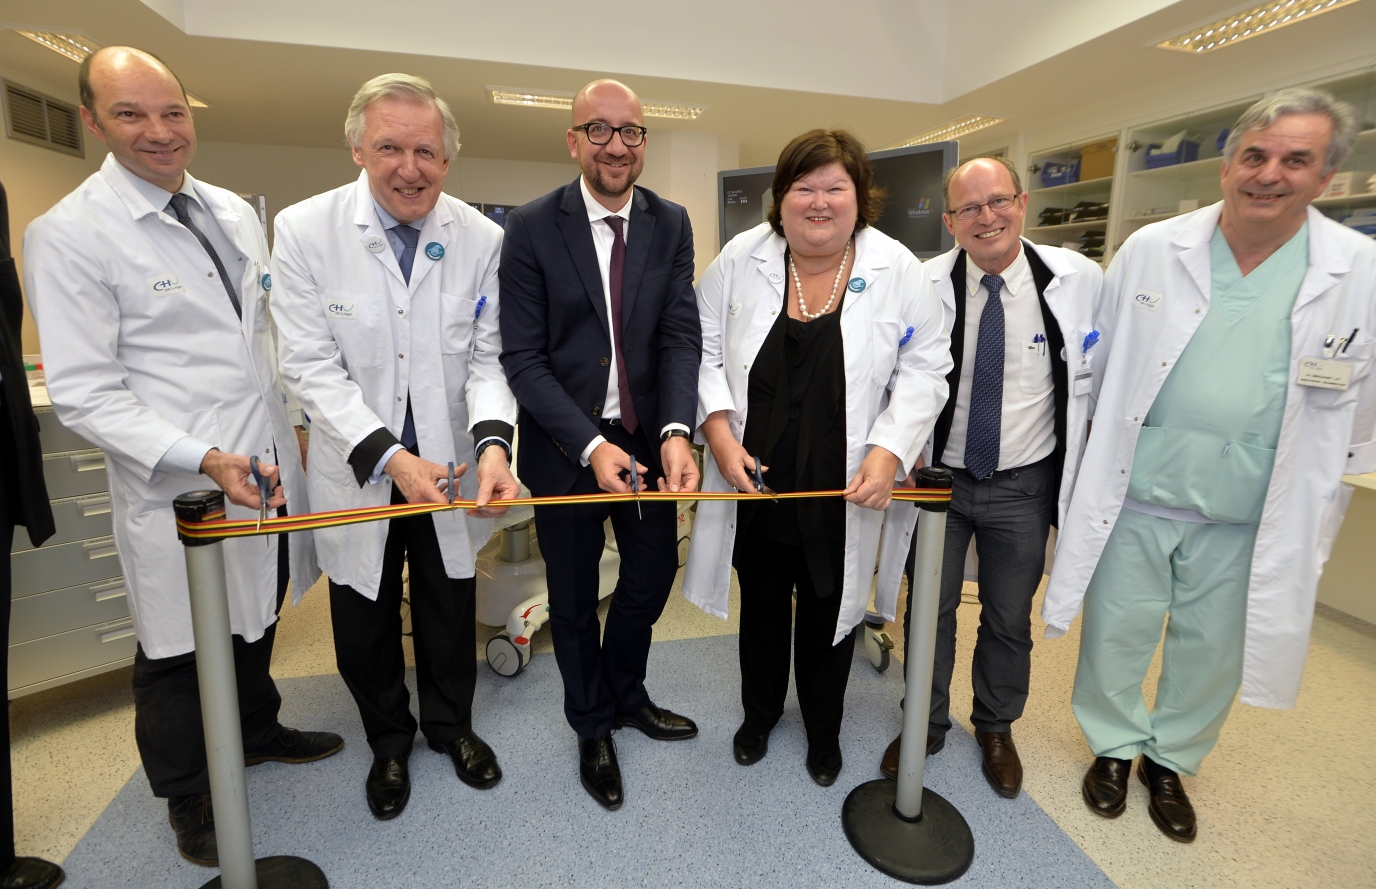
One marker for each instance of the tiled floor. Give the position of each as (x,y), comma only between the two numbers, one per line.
(1282,802)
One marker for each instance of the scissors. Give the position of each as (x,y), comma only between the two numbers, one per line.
(635,488)
(758,473)
(264,491)
(450,489)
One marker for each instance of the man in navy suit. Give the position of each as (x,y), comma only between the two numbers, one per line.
(601,346)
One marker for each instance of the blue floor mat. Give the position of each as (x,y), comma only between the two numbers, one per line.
(692,817)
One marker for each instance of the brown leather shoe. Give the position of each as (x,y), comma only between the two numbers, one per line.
(1002,768)
(888,766)
(1105,787)
(1170,808)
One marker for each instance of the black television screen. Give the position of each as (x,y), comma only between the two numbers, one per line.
(497,212)
(910,176)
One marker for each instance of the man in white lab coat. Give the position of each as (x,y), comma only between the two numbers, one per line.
(151,292)
(388,316)
(1235,395)
(1012,429)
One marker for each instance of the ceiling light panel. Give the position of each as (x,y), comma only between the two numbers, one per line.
(77,46)
(952,129)
(1249,23)
(502,95)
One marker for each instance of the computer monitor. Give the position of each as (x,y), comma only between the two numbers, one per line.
(497,212)
(911,177)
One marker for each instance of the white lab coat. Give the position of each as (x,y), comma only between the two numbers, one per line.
(134,364)
(355,338)
(1072,294)
(893,392)
(1155,295)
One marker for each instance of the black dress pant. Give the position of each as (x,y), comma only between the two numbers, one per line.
(367,642)
(167,705)
(769,572)
(1011,513)
(607,676)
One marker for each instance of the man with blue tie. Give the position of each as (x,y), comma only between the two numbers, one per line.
(601,346)
(387,309)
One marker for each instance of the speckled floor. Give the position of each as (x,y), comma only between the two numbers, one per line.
(1282,802)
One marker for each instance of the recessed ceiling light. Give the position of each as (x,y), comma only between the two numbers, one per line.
(1249,23)
(952,129)
(77,46)
(505,95)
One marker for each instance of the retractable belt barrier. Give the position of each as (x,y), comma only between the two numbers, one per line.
(218,527)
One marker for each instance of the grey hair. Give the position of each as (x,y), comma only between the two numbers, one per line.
(399,86)
(1300,101)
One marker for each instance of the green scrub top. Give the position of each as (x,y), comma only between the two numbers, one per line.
(1209,440)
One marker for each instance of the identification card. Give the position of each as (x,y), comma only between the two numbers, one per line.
(1325,373)
(1084,382)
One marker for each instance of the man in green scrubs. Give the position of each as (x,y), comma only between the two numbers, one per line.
(1182,545)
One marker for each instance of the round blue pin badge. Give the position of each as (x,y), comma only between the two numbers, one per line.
(855,285)
(267,282)
(434,250)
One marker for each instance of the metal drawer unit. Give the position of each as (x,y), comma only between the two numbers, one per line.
(70,611)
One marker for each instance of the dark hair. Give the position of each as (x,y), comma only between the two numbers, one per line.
(83,76)
(951,174)
(820,148)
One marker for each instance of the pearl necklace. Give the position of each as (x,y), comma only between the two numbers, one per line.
(835,287)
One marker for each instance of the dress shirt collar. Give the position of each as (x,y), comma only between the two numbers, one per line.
(1018,273)
(156,194)
(596,211)
(389,223)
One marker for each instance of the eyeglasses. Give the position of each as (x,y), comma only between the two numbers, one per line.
(601,134)
(996,204)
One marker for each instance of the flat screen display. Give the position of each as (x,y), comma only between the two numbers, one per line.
(911,177)
(497,212)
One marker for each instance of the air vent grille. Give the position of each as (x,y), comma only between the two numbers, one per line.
(42,120)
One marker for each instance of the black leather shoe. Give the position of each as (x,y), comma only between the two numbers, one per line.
(295,746)
(388,786)
(31,873)
(658,723)
(824,767)
(194,821)
(1105,787)
(749,749)
(474,761)
(1002,766)
(888,766)
(1170,809)
(600,772)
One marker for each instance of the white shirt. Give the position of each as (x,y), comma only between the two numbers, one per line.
(1027,432)
(603,239)
(187,453)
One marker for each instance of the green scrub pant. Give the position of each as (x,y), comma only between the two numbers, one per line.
(1198,573)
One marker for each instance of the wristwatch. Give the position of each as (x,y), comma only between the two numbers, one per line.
(673,432)
(482,446)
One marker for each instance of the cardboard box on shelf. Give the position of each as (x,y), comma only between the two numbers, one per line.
(1096,160)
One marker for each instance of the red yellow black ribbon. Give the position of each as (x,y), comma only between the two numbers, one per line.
(311,521)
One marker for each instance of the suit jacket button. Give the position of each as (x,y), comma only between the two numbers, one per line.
(605,362)
(597,412)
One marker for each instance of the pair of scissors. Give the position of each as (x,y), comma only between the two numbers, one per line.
(450,489)
(264,492)
(635,488)
(758,473)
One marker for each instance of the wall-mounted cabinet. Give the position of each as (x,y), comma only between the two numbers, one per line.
(1071,196)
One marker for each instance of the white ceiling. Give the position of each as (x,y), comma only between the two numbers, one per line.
(878,49)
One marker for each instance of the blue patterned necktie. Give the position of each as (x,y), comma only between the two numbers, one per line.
(179,209)
(986,391)
(410,237)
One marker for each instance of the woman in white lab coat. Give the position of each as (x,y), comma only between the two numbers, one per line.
(824,363)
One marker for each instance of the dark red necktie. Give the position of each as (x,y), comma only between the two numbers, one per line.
(615,275)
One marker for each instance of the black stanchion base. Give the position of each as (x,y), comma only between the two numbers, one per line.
(937,849)
(284,872)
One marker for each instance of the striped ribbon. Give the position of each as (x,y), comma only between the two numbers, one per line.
(221,528)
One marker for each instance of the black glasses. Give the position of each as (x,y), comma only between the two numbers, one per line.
(601,134)
(997,203)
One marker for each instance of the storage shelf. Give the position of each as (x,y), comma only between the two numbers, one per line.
(1354,199)
(1066,226)
(1193,170)
(1089,185)
(1154,217)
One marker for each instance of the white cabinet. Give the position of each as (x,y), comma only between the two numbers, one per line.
(1071,196)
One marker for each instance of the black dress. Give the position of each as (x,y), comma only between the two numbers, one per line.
(796,426)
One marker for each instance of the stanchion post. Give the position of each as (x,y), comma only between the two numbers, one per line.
(224,740)
(902,828)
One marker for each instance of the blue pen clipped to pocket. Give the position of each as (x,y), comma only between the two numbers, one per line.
(1090,339)
(906,336)
(477,313)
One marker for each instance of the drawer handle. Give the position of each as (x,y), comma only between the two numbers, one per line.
(107,595)
(123,632)
(99,549)
(87,462)
(95,506)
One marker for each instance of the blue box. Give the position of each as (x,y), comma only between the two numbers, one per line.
(1186,152)
(1060,174)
